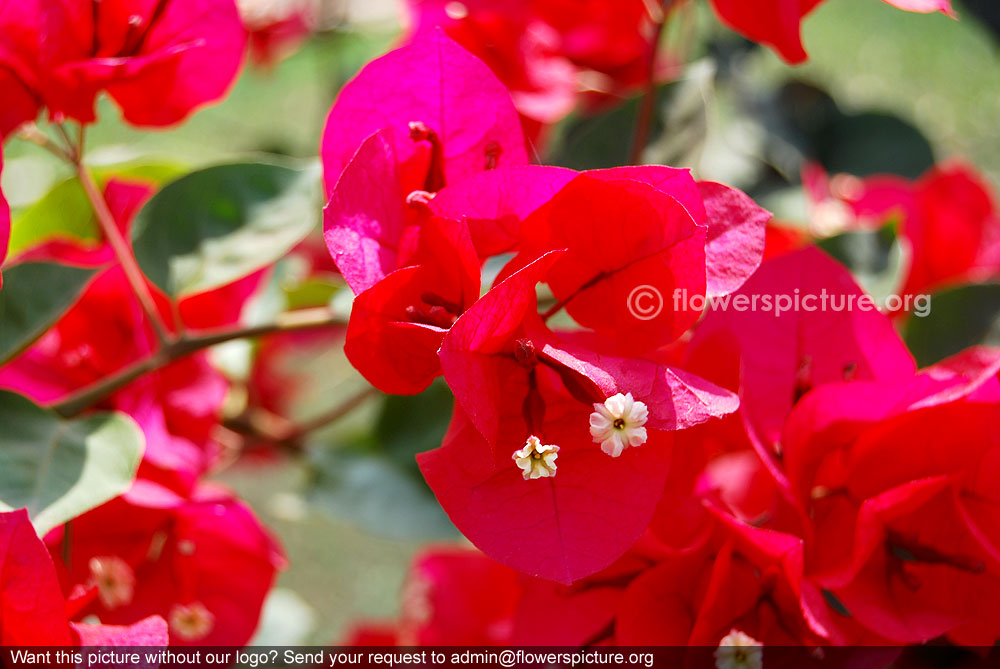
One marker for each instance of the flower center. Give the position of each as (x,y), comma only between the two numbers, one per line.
(738,650)
(618,424)
(536,460)
(114,580)
(191,622)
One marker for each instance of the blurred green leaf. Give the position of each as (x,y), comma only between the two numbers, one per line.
(595,142)
(59,469)
(411,424)
(960,317)
(874,143)
(372,491)
(63,213)
(875,258)
(376,482)
(222,223)
(34,296)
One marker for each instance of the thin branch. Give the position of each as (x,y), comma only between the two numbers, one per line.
(30,132)
(85,398)
(120,247)
(261,426)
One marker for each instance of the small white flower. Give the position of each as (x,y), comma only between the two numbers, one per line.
(618,424)
(739,651)
(536,460)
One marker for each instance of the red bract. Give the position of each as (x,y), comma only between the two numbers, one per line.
(834,333)
(444,115)
(644,231)
(204,564)
(772,358)
(949,221)
(548,51)
(457,596)
(747,579)
(33,610)
(954,232)
(776,23)
(277,28)
(514,382)
(899,481)
(159,61)
(397,325)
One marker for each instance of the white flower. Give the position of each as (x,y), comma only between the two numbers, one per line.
(739,651)
(618,424)
(536,460)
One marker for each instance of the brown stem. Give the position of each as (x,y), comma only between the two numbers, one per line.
(262,426)
(121,248)
(85,398)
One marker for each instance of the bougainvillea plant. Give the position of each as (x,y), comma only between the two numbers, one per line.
(658,414)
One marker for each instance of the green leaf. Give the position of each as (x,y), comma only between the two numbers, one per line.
(65,211)
(594,142)
(34,296)
(960,317)
(411,424)
(376,483)
(875,258)
(372,491)
(62,213)
(59,469)
(222,223)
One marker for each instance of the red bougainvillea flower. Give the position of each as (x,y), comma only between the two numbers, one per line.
(519,391)
(33,609)
(652,232)
(397,325)
(745,579)
(520,49)
(776,23)
(949,220)
(277,28)
(776,355)
(899,482)
(204,564)
(159,61)
(447,118)
(457,596)
(772,358)
(546,52)
(444,115)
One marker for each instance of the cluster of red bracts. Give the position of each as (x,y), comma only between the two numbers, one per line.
(850,501)
(784,478)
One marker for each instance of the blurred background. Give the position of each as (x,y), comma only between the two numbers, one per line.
(884,91)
